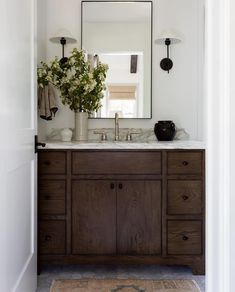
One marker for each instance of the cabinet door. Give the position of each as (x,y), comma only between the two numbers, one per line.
(139,217)
(93,217)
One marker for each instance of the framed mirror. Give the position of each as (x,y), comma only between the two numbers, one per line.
(120,35)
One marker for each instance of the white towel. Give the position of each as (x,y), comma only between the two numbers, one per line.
(47,102)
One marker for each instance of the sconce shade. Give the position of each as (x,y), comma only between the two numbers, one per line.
(168,34)
(167,38)
(63,33)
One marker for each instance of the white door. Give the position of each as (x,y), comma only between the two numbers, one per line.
(17,158)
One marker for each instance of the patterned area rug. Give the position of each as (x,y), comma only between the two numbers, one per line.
(93,285)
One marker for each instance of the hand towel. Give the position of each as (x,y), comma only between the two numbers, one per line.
(47,102)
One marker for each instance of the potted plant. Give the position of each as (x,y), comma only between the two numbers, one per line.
(81,86)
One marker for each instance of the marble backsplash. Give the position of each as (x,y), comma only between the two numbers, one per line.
(142,135)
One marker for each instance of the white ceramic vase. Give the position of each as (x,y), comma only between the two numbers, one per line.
(81,126)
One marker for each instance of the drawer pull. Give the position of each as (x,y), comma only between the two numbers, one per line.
(185,238)
(120,186)
(47,163)
(47,238)
(185,198)
(185,163)
(112,186)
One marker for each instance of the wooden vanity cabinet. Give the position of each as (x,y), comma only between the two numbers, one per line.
(129,206)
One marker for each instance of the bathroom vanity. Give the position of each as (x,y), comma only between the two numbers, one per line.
(125,203)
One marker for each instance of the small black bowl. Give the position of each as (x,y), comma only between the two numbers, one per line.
(164,130)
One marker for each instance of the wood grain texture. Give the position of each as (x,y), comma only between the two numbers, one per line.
(52,194)
(164,203)
(52,162)
(93,217)
(52,237)
(184,162)
(68,205)
(184,197)
(184,237)
(139,217)
(97,169)
(116,162)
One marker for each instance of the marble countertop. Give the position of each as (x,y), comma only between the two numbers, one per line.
(124,145)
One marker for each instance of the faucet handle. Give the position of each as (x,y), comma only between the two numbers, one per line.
(129,135)
(103,135)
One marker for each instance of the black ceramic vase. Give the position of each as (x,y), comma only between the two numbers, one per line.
(164,130)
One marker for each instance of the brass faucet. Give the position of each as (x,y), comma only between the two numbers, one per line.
(116,136)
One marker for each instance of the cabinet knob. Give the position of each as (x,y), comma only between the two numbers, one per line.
(47,238)
(112,186)
(120,186)
(185,198)
(185,238)
(185,163)
(47,162)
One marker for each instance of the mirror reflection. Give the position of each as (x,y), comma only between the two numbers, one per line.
(120,35)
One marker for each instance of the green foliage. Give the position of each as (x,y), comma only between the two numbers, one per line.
(81,86)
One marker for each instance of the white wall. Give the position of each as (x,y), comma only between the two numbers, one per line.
(231,9)
(41,29)
(178,95)
(220,123)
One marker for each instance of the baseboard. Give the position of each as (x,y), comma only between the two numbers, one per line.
(27,281)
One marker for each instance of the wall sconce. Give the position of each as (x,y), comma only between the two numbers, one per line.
(63,36)
(167,38)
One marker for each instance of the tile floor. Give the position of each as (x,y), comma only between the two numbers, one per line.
(115,272)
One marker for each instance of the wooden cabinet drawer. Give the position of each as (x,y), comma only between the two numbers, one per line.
(52,237)
(184,237)
(116,162)
(184,197)
(51,196)
(52,162)
(185,162)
